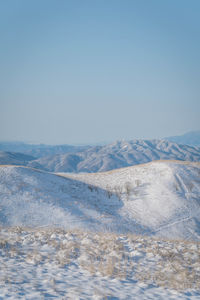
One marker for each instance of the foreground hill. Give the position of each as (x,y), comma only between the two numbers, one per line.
(159,198)
(47,263)
(116,155)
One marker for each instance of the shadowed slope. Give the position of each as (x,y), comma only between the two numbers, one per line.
(158,198)
(163,196)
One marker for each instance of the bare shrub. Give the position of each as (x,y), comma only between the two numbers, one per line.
(92,188)
(171,264)
(109,194)
(137,182)
(118,190)
(128,188)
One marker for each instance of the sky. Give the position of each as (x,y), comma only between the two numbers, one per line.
(90,71)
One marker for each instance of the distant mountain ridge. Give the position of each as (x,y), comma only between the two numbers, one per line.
(14,158)
(39,150)
(112,156)
(190,138)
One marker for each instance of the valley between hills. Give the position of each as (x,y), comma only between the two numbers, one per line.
(125,233)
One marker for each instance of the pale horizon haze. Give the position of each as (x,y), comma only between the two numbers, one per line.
(80,72)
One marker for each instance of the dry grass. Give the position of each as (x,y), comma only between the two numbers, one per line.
(172,264)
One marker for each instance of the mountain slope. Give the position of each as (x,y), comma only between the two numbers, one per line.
(190,138)
(14,158)
(39,150)
(34,198)
(117,155)
(159,198)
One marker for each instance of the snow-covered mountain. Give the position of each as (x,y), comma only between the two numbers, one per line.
(39,150)
(190,138)
(13,158)
(66,158)
(159,198)
(117,155)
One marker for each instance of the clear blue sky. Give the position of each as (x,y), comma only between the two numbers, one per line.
(91,71)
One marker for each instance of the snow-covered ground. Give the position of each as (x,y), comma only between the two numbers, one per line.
(159,198)
(131,233)
(162,198)
(59,264)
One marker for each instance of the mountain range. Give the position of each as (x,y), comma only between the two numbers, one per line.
(39,150)
(190,138)
(101,158)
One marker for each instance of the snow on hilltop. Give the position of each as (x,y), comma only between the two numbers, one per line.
(159,198)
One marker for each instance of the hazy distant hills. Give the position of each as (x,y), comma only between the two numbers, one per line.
(102,158)
(117,155)
(191,138)
(14,158)
(39,150)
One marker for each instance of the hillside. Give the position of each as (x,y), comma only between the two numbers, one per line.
(13,158)
(191,138)
(39,150)
(159,198)
(131,233)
